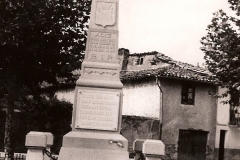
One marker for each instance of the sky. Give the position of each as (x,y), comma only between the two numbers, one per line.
(171,27)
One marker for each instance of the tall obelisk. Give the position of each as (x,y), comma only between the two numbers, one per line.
(96,120)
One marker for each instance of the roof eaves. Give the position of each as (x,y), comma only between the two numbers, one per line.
(168,71)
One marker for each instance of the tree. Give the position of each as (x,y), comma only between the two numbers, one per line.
(43,114)
(41,42)
(48,115)
(221,46)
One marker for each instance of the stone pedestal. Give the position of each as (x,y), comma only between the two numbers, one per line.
(35,154)
(153,149)
(137,147)
(97,111)
(49,137)
(36,142)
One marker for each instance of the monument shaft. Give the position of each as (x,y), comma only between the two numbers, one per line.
(96,120)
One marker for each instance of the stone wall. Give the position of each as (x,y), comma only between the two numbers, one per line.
(139,61)
(136,127)
(133,60)
(123,55)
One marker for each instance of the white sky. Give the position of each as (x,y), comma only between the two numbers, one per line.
(172,27)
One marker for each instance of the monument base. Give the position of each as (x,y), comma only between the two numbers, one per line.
(94,145)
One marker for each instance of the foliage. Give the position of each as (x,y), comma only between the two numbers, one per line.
(41,43)
(221,46)
(49,115)
(44,115)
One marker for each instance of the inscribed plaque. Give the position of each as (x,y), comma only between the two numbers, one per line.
(102,46)
(97,110)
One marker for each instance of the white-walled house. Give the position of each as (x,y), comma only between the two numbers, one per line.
(227,142)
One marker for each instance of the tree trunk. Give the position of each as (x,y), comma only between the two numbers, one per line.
(8,139)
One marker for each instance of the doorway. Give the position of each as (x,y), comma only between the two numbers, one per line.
(192,144)
(221,145)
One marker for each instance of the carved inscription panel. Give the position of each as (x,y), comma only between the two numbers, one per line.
(97,110)
(102,46)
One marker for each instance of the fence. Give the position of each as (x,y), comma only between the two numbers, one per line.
(17,156)
(20,156)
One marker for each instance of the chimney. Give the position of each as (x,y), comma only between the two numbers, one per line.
(123,55)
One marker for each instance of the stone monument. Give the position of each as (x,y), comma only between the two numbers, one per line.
(96,120)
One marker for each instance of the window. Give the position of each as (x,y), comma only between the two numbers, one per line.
(234,115)
(234,108)
(139,61)
(188,94)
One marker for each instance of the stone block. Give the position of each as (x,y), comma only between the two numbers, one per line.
(94,139)
(49,138)
(36,139)
(76,153)
(153,147)
(138,144)
(154,158)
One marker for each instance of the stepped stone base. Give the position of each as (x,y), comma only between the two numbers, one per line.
(97,145)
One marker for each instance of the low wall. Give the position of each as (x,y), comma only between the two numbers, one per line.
(135,127)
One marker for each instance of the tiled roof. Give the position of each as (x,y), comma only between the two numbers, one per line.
(175,69)
(164,57)
(144,53)
(172,71)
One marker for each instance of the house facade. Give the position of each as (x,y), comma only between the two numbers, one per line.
(227,143)
(174,102)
